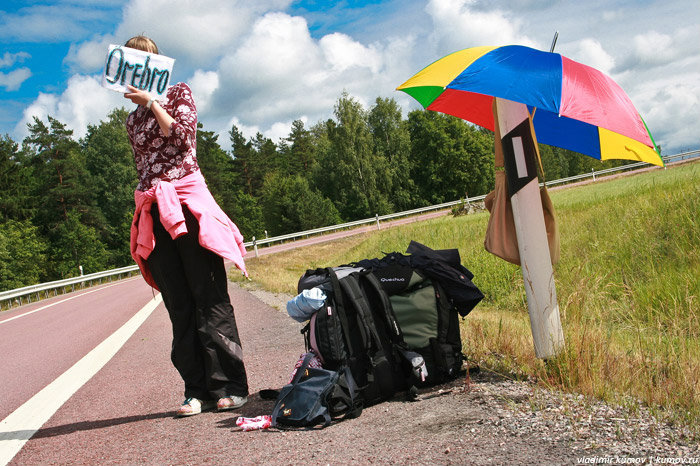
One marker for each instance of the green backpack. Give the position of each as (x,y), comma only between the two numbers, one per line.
(428,321)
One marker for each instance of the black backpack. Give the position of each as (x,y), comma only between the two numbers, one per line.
(357,328)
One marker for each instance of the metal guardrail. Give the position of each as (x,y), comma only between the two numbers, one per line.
(258,242)
(18,294)
(376,219)
(27,292)
(593,174)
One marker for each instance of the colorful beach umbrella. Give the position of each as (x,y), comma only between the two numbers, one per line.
(575,106)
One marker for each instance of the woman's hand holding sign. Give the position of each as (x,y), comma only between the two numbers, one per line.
(137,96)
(145,99)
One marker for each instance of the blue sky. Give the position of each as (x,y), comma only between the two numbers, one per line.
(261,65)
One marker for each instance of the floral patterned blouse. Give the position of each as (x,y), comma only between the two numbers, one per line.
(159,157)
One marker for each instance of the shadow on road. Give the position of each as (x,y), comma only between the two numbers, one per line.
(91,425)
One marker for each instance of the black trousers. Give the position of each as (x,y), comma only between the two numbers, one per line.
(206,349)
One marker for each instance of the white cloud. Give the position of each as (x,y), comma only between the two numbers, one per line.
(612,15)
(342,52)
(12,80)
(273,70)
(656,49)
(9,59)
(203,85)
(195,33)
(590,52)
(457,26)
(43,106)
(280,74)
(247,131)
(89,56)
(670,105)
(653,47)
(281,130)
(279,47)
(83,102)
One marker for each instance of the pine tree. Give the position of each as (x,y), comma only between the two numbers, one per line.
(67,214)
(109,159)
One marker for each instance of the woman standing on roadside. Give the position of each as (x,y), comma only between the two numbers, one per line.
(179,238)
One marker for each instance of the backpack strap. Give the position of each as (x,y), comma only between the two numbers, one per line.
(340,308)
(351,287)
(345,397)
(413,366)
(385,309)
(381,369)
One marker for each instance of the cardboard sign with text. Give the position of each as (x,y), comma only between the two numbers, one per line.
(147,71)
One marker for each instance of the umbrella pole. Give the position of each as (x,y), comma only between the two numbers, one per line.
(519,151)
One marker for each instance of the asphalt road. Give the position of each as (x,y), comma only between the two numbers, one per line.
(39,342)
(124,413)
(46,346)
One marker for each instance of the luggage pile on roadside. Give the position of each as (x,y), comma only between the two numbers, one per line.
(376,328)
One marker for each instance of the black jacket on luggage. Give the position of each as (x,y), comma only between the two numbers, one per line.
(443,266)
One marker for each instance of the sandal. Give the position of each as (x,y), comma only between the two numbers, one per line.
(192,406)
(231,402)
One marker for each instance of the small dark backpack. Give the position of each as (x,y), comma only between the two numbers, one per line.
(316,397)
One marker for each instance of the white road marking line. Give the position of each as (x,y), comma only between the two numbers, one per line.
(17,428)
(67,299)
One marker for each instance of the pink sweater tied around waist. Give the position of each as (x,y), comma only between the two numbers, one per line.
(216,230)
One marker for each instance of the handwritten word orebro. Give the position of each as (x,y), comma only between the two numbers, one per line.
(146,71)
(143,77)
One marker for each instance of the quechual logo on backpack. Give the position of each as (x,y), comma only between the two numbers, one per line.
(394,279)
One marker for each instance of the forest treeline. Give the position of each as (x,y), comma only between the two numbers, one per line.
(67,203)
